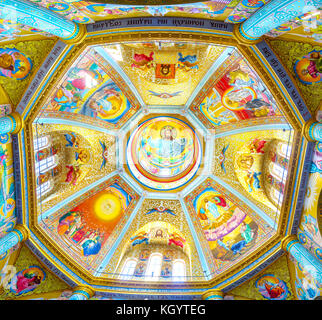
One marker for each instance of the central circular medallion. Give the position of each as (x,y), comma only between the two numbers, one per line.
(163,153)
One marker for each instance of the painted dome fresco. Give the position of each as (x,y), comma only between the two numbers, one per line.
(168,151)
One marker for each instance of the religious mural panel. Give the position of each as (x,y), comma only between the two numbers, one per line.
(244,10)
(87,91)
(164,153)
(87,205)
(168,72)
(306,287)
(87,231)
(87,12)
(255,164)
(158,227)
(274,283)
(68,158)
(10,30)
(271,287)
(232,231)
(238,94)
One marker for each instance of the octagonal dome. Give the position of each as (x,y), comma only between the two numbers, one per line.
(169,147)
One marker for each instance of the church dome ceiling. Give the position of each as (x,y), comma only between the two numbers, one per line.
(164,147)
(141,143)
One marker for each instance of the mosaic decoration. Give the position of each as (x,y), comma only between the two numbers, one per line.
(161,210)
(7,188)
(27,280)
(163,153)
(309,233)
(78,163)
(166,270)
(169,236)
(26,55)
(306,287)
(234,95)
(87,12)
(158,245)
(244,161)
(14,64)
(309,68)
(153,233)
(10,30)
(219,218)
(238,94)
(28,277)
(97,226)
(108,103)
(84,12)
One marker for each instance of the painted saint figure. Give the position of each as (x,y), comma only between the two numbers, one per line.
(271,287)
(92,246)
(211,207)
(26,280)
(248,235)
(168,146)
(14,64)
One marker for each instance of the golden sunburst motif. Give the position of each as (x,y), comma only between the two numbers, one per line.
(312,192)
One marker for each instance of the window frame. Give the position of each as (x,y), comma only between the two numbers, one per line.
(284,153)
(127,276)
(41,192)
(179,278)
(273,168)
(152,277)
(42,165)
(40,146)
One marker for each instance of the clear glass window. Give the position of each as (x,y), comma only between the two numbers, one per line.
(153,270)
(278,172)
(41,143)
(128,269)
(45,164)
(178,270)
(284,150)
(43,188)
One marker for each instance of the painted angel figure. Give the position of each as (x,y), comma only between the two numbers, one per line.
(140,238)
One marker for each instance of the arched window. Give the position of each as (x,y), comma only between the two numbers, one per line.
(278,172)
(128,269)
(41,143)
(43,188)
(153,270)
(276,195)
(178,270)
(284,150)
(45,164)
